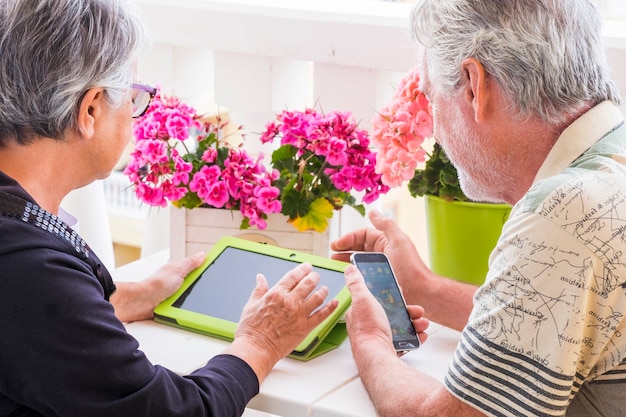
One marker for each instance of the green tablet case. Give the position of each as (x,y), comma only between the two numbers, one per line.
(231,267)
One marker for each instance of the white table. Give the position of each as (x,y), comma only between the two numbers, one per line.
(323,387)
(248,412)
(292,387)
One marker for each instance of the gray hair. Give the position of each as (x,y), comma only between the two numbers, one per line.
(547,55)
(53,51)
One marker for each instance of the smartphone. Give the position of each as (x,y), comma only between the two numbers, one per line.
(382,283)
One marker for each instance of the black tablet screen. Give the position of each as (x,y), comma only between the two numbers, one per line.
(225,286)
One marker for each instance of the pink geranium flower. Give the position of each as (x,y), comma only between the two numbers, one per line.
(399,130)
(322,160)
(180,159)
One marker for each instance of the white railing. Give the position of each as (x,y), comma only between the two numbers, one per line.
(258,57)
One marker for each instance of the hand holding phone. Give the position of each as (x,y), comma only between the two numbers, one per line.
(382,283)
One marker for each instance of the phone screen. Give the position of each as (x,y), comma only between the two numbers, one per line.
(381,281)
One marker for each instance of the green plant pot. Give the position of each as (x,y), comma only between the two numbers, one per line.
(461,236)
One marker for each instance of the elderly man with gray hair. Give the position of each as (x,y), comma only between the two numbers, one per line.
(524,107)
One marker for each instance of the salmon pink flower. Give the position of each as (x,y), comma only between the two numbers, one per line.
(399,130)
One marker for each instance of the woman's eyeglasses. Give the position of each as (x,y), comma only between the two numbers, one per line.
(142,97)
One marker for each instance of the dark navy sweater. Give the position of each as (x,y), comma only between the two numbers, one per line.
(63,352)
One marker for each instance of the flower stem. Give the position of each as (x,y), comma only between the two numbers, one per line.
(319,173)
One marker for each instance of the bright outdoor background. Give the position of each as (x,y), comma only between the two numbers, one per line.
(253,58)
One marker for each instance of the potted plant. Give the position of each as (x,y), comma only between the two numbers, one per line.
(461,233)
(321,161)
(181,159)
(185,159)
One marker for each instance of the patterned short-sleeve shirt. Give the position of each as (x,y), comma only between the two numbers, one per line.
(547,335)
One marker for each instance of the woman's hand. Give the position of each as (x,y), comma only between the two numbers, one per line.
(136,300)
(275,320)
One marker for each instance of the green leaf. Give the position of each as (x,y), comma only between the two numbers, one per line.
(439,178)
(283,158)
(418,185)
(317,217)
(294,204)
(222,154)
(245,224)
(190,200)
(449,176)
(360,208)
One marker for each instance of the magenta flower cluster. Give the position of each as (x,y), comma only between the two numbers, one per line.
(182,160)
(322,156)
(348,160)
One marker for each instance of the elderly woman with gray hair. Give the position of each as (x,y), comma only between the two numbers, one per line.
(67,99)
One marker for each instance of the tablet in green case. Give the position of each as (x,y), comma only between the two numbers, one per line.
(212,297)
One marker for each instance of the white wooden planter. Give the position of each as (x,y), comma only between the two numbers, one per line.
(200,228)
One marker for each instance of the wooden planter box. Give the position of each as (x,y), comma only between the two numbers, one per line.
(200,228)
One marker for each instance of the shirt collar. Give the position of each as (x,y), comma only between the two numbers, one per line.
(580,136)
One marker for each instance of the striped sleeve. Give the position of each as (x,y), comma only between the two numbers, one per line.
(501,382)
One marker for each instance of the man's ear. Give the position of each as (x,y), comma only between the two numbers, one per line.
(475,87)
(89,109)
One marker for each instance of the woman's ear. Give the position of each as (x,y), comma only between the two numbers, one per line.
(475,87)
(90,108)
